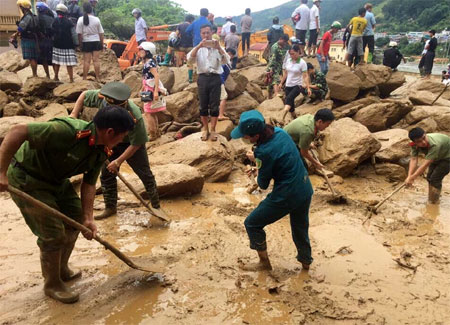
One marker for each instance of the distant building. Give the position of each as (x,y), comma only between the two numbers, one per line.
(337,52)
(257,50)
(9,14)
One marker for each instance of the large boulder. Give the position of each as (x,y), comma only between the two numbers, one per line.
(213,159)
(224,128)
(396,80)
(425,97)
(109,66)
(383,115)
(345,145)
(12,61)
(372,75)
(256,74)
(3,98)
(36,86)
(235,85)
(238,105)
(134,81)
(52,111)
(14,109)
(272,110)
(10,81)
(167,77)
(181,79)
(344,85)
(431,118)
(393,172)
(313,108)
(350,109)
(171,180)
(430,85)
(255,91)
(7,122)
(394,145)
(183,106)
(247,61)
(71,91)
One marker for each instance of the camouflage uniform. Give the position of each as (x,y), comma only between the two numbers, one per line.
(320,81)
(55,151)
(276,63)
(138,162)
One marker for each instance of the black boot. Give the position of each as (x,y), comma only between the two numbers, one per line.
(108,212)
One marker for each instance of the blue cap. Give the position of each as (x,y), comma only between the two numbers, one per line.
(250,123)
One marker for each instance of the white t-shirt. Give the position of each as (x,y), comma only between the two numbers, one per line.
(313,13)
(90,32)
(303,23)
(294,71)
(226,28)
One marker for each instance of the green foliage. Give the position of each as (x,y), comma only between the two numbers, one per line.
(412,48)
(117,19)
(403,42)
(382,41)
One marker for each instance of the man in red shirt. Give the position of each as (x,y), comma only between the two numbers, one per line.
(324,48)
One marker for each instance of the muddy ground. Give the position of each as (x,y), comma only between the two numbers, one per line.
(353,280)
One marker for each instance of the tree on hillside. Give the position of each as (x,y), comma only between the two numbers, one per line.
(382,41)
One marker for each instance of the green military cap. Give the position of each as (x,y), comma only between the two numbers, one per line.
(116,90)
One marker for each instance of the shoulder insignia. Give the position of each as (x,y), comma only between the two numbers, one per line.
(92,140)
(108,151)
(83,134)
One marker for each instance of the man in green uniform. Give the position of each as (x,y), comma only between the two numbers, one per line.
(436,148)
(318,84)
(132,149)
(39,159)
(304,129)
(276,158)
(275,66)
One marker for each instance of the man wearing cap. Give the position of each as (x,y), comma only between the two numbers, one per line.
(392,56)
(39,159)
(436,149)
(140,26)
(324,48)
(305,128)
(276,158)
(132,149)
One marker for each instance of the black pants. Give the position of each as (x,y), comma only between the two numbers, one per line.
(245,41)
(426,63)
(312,37)
(300,34)
(291,94)
(209,94)
(437,171)
(234,62)
(140,165)
(315,93)
(370,42)
(392,64)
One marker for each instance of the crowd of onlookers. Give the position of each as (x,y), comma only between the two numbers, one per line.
(52,36)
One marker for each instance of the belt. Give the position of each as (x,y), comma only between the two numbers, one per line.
(209,74)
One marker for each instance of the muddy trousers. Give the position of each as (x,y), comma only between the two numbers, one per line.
(269,212)
(140,165)
(437,171)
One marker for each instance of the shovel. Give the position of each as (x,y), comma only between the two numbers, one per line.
(157,213)
(55,213)
(337,198)
(442,92)
(374,209)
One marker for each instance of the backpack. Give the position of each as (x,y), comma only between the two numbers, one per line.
(275,34)
(45,23)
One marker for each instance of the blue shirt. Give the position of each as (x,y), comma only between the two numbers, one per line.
(194,29)
(280,159)
(370,17)
(139,28)
(225,73)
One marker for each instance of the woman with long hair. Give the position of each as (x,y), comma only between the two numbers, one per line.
(90,36)
(63,42)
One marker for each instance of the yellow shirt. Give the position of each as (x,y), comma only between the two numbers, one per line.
(359,24)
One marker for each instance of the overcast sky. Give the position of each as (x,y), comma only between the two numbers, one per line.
(221,8)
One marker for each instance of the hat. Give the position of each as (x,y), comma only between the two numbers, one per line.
(250,123)
(336,24)
(229,18)
(392,44)
(24,3)
(314,1)
(116,90)
(61,7)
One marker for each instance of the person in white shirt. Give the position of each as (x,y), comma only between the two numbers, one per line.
(90,36)
(295,74)
(209,56)
(314,28)
(140,26)
(226,27)
(300,17)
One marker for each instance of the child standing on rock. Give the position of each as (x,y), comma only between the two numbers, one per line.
(152,88)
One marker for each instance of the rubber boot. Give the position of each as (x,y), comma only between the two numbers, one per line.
(370,58)
(53,286)
(66,273)
(109,211)
(167,59)
(191,76)
(433,194)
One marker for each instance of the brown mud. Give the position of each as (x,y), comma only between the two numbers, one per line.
(354,278)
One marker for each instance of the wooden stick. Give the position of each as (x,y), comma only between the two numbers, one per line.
(159,214)
(374,210)
(326,177)
(442,92)
(40,205)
